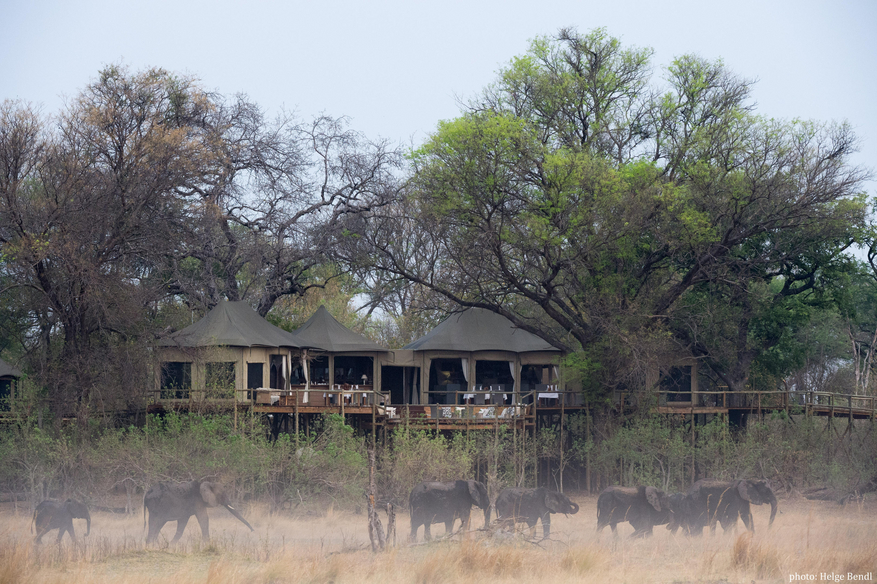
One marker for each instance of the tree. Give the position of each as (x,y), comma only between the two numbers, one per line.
(86,214)
(262,226)
(592,209)
(858,316)
(148,192)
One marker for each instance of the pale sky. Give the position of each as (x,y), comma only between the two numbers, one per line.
(396,68)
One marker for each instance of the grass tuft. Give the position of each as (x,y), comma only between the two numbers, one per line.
(753,555)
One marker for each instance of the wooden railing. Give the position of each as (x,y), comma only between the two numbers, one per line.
(457,405)
(762,400)
(317,395)
(507,404)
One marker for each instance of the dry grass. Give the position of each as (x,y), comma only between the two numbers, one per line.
(808,537)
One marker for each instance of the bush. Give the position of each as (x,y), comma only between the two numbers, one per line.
(329,467)
(414,456)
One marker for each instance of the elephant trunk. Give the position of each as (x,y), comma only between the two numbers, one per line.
(574,507)
(239,516)
(486,515)
(773,508)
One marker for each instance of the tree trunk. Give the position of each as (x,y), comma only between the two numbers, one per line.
(375,529)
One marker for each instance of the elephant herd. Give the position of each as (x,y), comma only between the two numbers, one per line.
(162,502)
(436,502)
(708,502)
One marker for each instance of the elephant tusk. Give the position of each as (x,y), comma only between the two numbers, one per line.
(238,516)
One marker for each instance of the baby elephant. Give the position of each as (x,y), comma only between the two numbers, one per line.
(528,506)
(51,514)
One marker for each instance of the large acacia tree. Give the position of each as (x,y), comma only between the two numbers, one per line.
(594,207)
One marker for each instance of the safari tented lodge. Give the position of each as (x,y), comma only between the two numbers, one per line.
(473,369)
(478,355)
(334,372)
(227,355)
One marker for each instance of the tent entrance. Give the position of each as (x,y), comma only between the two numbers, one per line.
(353,370)
(447,377)
(403,383)
(277,377)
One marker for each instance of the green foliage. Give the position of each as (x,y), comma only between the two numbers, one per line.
(792,452)
(604,210)
(328,467)
(331,467)
(414,456)
(649,451)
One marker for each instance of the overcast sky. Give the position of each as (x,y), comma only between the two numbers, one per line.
(398,67)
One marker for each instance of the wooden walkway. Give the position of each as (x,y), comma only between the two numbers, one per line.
(811,403)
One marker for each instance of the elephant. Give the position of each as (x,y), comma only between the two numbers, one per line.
(516,505)
(681,506)
(643,507)
(723,501)
(51,514)
(437,502)
(179,501)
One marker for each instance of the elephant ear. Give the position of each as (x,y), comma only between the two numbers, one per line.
(746,491)
(652,498)
(478,493)
(76,509)
(552,501)
(209,494)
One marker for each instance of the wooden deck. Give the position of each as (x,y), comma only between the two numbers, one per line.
(372,409)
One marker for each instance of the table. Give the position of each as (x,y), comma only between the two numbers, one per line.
(543,397)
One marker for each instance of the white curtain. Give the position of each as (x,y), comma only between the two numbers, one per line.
(512,368)
(465,369)
(307,374)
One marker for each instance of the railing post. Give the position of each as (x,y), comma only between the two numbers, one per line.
(851,417)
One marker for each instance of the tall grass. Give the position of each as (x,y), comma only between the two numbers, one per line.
(808,537)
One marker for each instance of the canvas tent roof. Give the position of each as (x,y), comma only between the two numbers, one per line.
(231,324)
(322,331)
(478,329)
(7,370)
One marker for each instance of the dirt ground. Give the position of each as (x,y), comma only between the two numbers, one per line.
(809,541)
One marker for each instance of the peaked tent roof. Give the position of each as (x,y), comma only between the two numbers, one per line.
(7,370)
(231,324)
(478,329)
(322,331)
